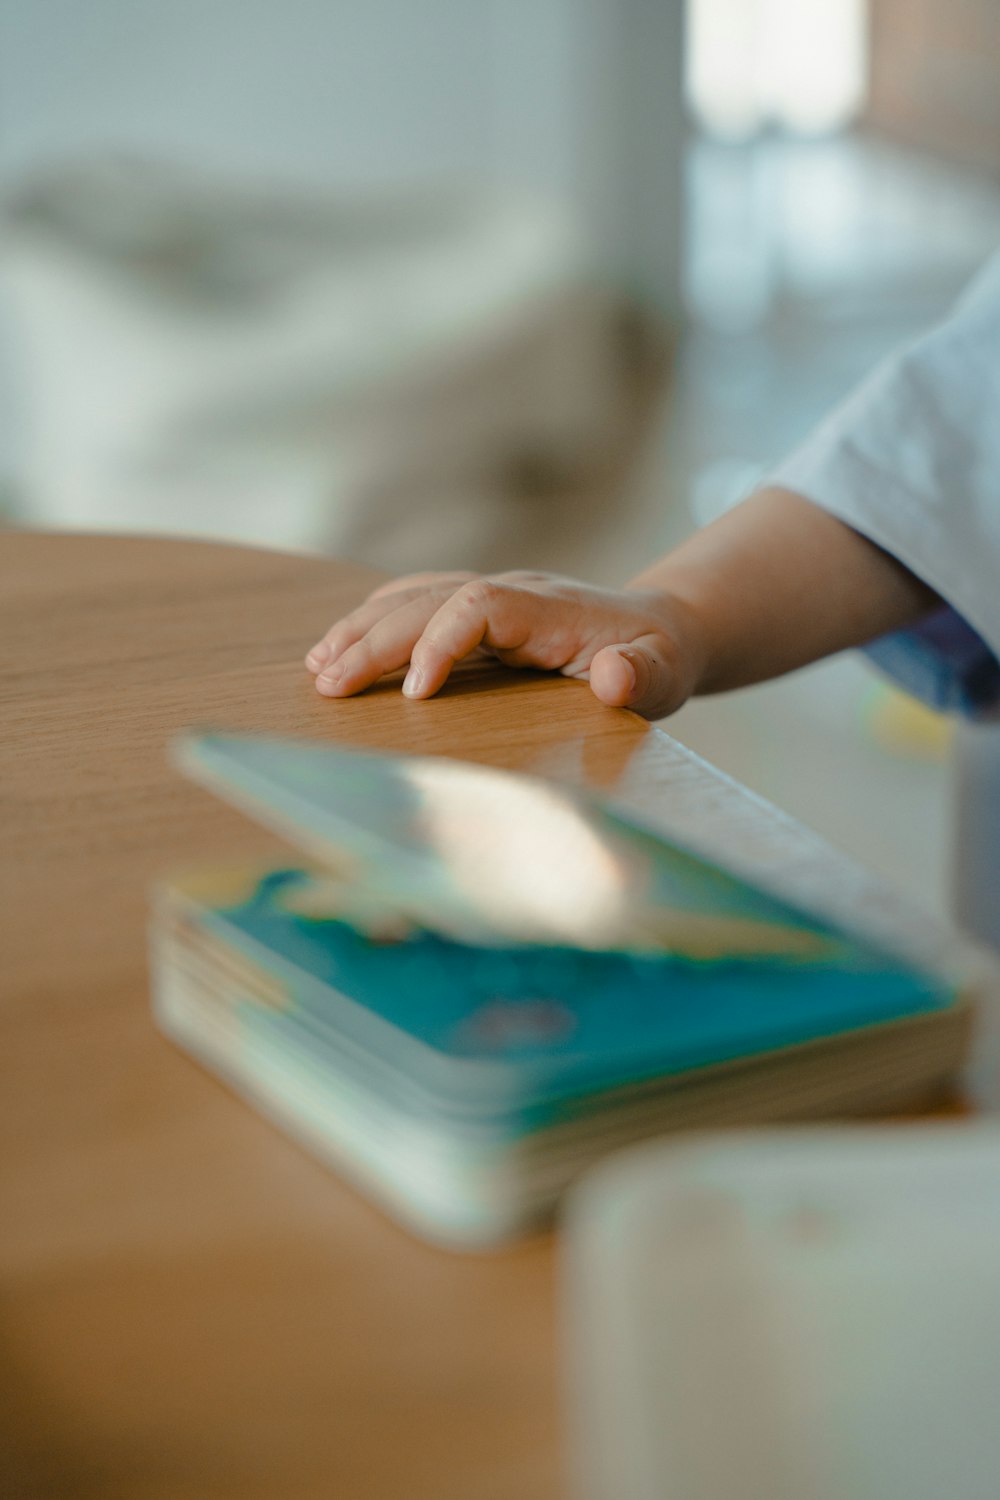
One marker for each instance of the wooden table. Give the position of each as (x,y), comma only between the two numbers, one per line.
(191,1307)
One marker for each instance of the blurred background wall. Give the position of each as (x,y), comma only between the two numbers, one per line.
(553,128)
(370,279)
(566,97)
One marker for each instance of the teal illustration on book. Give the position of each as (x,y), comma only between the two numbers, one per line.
(501,919)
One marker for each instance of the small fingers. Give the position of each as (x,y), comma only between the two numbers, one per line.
(344,633)
(613,676)
(380,603)
(434,621)
(383,648)
(642,675)
(480,613)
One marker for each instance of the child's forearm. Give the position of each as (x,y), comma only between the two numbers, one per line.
(777,583)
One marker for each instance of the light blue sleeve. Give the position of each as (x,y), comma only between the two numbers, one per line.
(912,461)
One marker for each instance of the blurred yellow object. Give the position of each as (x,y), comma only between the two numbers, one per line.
(906,727)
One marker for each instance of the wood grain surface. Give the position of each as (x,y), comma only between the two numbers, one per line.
(189,1305)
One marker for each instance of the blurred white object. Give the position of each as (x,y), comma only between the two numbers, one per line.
(779,1316)
(294,370)
(796,63)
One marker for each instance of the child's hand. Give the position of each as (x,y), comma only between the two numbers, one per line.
(638,649)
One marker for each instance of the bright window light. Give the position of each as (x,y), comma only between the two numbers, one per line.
(800,64)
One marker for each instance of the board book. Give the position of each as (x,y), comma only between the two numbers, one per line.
(467,985)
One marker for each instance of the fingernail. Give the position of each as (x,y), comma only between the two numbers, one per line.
(331,678)
(317,656)
(631,673)
(413,682)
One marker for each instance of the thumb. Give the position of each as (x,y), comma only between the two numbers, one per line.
(643,675)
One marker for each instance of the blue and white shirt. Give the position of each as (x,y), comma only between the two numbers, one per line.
(912,461)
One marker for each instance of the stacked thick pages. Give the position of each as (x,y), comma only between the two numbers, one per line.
(470,985)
